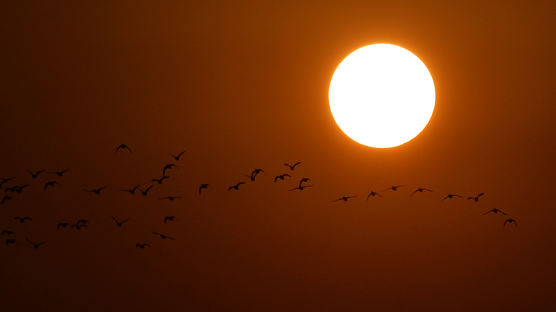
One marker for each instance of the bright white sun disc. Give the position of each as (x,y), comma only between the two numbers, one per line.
(381,95)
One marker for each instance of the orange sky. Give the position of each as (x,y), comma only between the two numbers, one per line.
(242,85)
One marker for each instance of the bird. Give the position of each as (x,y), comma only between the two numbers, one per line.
(476,198)
(203,186)
(120,223)
(303,180)
(169,218)
(5,180)
(63,225)
(178,156)
(450,196)
(145,192)
(159,181)
(393,188)
(167,167)
(300,187)
(281,177)
(132,190)
(10,241)
(35,245)
(510,220)
(6,198)
(292,167)
(373,194)
(254,173)
(22,219)
(344,198)
(163,236)
(142,245)
(96,191)
(79,225)
(59,173)
(420,190)
(19,188)
(123,147)
(235,186)
(50,184)
(171,198)
(495,210)
(36,174)
(6,232)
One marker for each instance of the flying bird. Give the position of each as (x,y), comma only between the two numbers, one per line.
(132,190)
(6,232)
(123,147)
(281,177)
(171,198)
(159,181)
(167,167)
(142,245)
(495,210)
(292,167)
(62,225)
(6,198)
(420,190)
(36,174)
(178,156)
(119,223)
(450,196)
(50,184)
(344,198)
(476,198)
(145,192)
(203,186)
(393,188)
(254,174)
(163,236)
(10,241)
(303,180)
(59,173)
(235,186)
(22,219)
(96,191)
(35,245)
(510,220)
(169,218)
(373,194)
(5,180)
(300,187)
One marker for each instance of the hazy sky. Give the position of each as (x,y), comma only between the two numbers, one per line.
(242,85)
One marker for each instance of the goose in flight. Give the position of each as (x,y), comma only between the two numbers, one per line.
(510,221)
(420,190)
(292,167)
(171,198)
(159,181)
(62,225)
(6,198)
(119,223)
(35,245)
(496,211)
(123,147)
(6,232)
(235,186)
(203,186)
(50,184)
(36,174)
(281,177)
(344,198)
(393,188)
(169,218)
(167,167)
(10,241)
(96,191)
(178,156)
(450,196)
(163,236)
(300,187)
(132,190)
(22,219)
(476,198)
(303,180)
(254,173)
(373,194)
(59,173)
(145,192)
(142,245)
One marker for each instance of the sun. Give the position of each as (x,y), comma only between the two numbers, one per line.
(381,95)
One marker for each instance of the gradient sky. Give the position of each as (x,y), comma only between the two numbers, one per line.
(243,84)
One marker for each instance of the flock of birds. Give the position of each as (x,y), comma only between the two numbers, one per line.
(10,193)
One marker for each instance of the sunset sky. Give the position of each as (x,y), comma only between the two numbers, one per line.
(243,85)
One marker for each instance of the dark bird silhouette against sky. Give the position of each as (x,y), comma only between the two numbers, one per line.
(450,196)
(36,174)
(373,194)
(160,180)
(495,211)
(476,198)
(171,198)
(303,180)
(60,173)
(281,177)
(6,198)
(292,167)
(142,245)
(132,190)
(96,191)
(344,198)
(166,168)
(202,187)
(163,236)
(178,156)
(169,218)
(393,188)
(62,225)
(35,245)
(123,147)
(420,190)
(5,180)
(145,192)
(510,221)
(23,219)
(10,241)
(6,232)
(119,223)
(50,184)
(235,186)
(300,187)
(254,174)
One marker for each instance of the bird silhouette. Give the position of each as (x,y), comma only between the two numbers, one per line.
(120,223)
(420,190)
(163,236)
(96,191)
(50,184)
(393,188)
(62,225)
(35,245)
(36,174)
(60,173)
(159,181)
(132,190)
(10,241)
(5,180)
(145,192)
(292,167)
(178,156)
(6,198)
(171,198)
(235,186)
(476,198)
(495,210)
(510,221)
(22,219)
(169,218)
(81,223)
(142,245)
(300,187)
(344,198)
(16,188)
(373,194)
(281,177)
(254,174)
(123,147)
(203,186)
(6,232)
(167,167)
(303,180)
(450,196)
